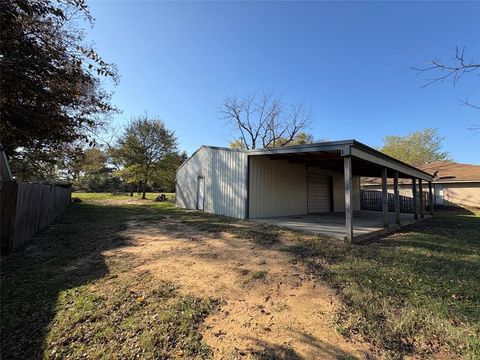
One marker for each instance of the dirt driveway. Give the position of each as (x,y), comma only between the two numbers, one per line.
(267,302)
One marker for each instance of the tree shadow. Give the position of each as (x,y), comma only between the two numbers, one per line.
(430,267)
(265,350)
(65,255)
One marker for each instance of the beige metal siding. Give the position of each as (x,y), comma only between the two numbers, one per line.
(318,192)
(187,180)
(339,192)
(226,185)
(225,174)
(277,188)
(339,189)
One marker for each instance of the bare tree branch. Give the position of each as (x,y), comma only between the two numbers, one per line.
(260,120)
(466,102)
(454,71)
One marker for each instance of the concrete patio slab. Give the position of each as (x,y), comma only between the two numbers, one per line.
(365,223)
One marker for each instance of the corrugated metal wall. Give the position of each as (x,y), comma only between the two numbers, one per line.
(318,192)
(187,180)
(226,185)
(339,192)
(339,189)
(225,174)
(277,188)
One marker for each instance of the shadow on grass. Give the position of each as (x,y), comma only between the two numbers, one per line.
(271,351)
(66,255)
(412,292)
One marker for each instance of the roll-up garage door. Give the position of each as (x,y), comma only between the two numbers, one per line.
(318,193)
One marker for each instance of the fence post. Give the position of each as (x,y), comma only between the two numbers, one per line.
(347,170)
(8,206)
(430,197)
(384,197)
(415,199)
(422,205)
(396,198)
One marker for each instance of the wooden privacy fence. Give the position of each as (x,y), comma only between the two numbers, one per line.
(372,200)
(27,208)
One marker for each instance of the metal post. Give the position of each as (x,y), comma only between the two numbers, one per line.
(347,169)
(384,197)
(420,191)
(396,196)
(414,194)
(430,197)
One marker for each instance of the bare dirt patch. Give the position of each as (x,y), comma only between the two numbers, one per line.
(269,306)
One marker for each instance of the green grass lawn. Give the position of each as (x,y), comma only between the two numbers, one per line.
(121,196)
(416,292)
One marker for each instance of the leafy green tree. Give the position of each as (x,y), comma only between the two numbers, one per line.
(51,82)
(93,173)
(164,176)
(417,148)
(143,149)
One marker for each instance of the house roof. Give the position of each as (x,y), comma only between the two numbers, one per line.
(447,171)
(443,171)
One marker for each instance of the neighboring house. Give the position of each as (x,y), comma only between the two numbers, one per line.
(294,180)
(454,184)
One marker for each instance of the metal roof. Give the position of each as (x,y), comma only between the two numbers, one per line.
(345,147)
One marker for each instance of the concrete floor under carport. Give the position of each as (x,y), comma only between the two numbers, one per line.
(365,223)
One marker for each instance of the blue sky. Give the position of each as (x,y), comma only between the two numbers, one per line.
(350,62)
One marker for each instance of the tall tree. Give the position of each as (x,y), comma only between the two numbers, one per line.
(51,81)
(142,149)
(417,148)
(264,120)
(164,176)
(91,172)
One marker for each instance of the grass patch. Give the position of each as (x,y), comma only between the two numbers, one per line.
(62,298)
(282,352)
(249,277)
(411,293)
(258,275)
(118,321)
(260,237)
(416,292)
(121,196)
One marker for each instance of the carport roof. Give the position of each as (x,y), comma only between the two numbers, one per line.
(366,160)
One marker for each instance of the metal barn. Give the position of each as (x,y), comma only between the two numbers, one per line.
(306,184)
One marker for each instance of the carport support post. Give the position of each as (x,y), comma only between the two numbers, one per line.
(384,197)
(430,197)
(347,170)
(420,193)
(396,197)
(414,194)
